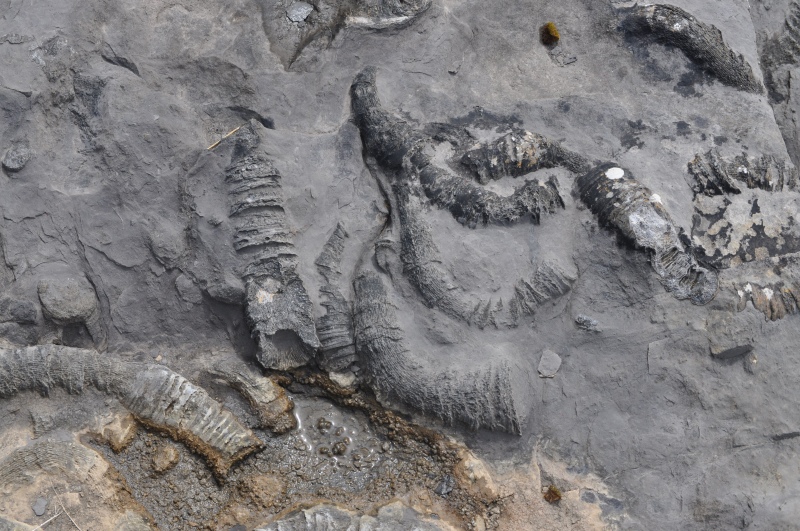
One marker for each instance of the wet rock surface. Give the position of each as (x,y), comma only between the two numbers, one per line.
(388,263)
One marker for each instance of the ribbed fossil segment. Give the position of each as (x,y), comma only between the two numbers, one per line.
(335,328)
(549,282)
(518,153)
(253,183)
(46,457)
(278,307)
(784,48)
(715,175)
(421,261)
(775,301)
(622,203)
(700,42)
(492,393)
(398,147)
(267,398)
(157,396)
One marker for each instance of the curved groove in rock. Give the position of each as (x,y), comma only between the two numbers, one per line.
(489,394)
(700,42)
(155,395)
(622,203)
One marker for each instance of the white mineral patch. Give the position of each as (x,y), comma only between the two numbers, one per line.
(615,173)
(768,293)
(655,198)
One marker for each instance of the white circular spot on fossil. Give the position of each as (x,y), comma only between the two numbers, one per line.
(615,173)
(609,195)
(655,198)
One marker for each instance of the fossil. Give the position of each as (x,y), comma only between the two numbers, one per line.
(335,328)
(622,203)
(157,397)
(700,42)
(492,394)
(278,306)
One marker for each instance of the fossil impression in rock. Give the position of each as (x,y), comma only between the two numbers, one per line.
(700,42)
(493,393)
(155,395)
(278,307)
(268,399)
(622,203)
(406,154)
(335,328)
(302,24)
(715,175)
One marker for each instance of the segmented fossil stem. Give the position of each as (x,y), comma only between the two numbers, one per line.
(278,306)
(622,203)
(700,42)
(157,397)
(492,394)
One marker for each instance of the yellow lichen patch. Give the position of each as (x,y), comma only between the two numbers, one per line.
(549,34)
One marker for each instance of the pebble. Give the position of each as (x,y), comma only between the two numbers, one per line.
(39,506)
(549,364)
(299,11)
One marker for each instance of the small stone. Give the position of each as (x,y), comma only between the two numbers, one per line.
(188,290)
(165,458)
(445,486)
(343,379)
(39,506)
(67,300)
(549,364)
(16,158)
(299,11)
(587,323)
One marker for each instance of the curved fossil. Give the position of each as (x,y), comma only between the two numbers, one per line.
(398,147)
(405,153)
(489,394)
(155,395)
(700,42)
(335,328)
(622,203)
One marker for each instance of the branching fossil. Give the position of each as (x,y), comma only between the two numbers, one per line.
(155,395)
(622,203)
(700,42)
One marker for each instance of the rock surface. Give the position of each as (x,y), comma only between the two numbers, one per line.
(393,208)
